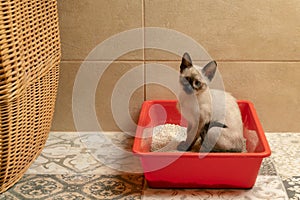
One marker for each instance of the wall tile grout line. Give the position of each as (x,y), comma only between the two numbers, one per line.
(145,61)
(144,51)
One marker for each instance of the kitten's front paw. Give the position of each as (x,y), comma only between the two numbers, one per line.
(183,146)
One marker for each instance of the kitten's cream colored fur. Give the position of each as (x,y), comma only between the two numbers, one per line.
(201,105)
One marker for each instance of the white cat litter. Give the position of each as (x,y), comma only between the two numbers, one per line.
(167,137)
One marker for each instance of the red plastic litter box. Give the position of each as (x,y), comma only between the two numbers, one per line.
(198,170)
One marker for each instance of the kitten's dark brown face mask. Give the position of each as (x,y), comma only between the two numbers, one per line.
(191,84)
(195,80)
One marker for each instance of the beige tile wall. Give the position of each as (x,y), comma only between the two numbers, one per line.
(256,43)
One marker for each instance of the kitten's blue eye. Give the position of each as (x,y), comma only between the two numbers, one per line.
(197,84)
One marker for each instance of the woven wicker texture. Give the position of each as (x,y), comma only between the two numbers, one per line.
(29,65)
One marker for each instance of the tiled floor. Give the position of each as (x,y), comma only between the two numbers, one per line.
(101,166)
(286,154)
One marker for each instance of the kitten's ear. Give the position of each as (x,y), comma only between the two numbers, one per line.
(186,62)
(209,70)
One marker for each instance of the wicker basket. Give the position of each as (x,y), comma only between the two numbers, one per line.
(29,64)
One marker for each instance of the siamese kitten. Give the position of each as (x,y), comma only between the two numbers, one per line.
(212,115)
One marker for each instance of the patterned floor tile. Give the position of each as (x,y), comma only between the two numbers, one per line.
(35,187)
(114,187)
(87,153)
(113,150)
(267,167)
(266,188)
(60,187)
(285,152)
(99,166)
(8,196)
(68,196)
(292,186)
(91,153)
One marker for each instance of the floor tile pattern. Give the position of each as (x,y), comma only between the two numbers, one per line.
(101,166)
(292,186)
(266,187)
(60,187)
(87,153)
(285,152)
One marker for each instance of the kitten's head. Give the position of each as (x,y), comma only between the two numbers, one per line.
(193,78)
